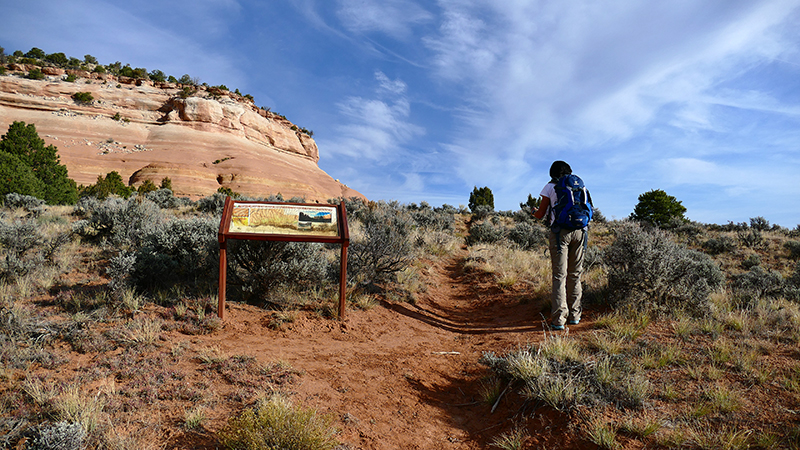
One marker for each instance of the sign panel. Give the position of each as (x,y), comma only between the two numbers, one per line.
(289,222)
(260,218)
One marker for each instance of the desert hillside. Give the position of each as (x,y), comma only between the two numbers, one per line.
(202,138)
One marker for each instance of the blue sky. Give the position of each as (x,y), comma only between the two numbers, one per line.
(424,100)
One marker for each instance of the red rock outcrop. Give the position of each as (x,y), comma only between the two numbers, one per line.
(147,131)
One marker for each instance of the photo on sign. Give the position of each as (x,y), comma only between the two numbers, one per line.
(284,219)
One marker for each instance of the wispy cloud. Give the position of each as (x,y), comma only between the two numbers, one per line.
(396,18)
(375,128)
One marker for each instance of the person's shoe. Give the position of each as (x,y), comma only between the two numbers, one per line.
(574,322)
(557,327)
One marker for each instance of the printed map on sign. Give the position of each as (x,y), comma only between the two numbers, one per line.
(284,219)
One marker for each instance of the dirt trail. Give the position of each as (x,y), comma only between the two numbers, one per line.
(402,375)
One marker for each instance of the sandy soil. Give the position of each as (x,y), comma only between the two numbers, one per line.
(401,375)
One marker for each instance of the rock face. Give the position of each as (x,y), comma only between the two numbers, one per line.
(201,138)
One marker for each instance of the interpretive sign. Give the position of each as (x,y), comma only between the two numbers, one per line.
(306,220)
(298,222)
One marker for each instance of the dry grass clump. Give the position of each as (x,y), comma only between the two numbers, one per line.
(276,423)
(510,266)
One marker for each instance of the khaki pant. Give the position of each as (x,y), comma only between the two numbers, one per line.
(566,254)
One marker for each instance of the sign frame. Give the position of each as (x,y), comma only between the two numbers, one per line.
(342,237)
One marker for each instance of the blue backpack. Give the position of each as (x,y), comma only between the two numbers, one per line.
(573,208)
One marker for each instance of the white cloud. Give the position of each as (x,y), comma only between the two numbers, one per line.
(375,128)
(547,78)
(395,18)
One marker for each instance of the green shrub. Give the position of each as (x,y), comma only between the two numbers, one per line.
(528,236)
(110,184)
(260,267)
(650,272)
(123,222)
(276,424)
(383,246)
(659,209)
(35,74)
(481,197)
(794,249)
(177,252)
(166,183)
(70,78)
(146,187)
(757,283)
(25,248)
(722,244)
(29,203)
(83,97)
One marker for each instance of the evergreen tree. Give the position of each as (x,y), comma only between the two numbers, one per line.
(658,208)
(23,142)
(166,183)
(17,177)
(481,197)
(105,186)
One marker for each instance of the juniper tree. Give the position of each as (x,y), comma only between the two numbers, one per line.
(23,142)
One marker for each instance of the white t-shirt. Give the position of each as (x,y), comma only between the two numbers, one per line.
(549,191)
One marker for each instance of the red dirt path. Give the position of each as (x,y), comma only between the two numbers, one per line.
(402,375)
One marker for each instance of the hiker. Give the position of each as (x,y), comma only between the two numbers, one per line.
(567,204)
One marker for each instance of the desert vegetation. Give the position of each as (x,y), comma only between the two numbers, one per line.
(30,64)
(694,342)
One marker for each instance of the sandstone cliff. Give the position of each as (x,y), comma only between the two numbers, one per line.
(148,131)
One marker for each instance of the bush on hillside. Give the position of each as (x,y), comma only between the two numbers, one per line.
(111,184)
(383,246)
(650,272)
(722,244)
(146,187)
(432,221)
(262,266)
(123,222)
(755,284)
(26,248)
(794,249)
(83,97)
(35,74)
(166,200)
(528,235)
(29,203)
(176,252)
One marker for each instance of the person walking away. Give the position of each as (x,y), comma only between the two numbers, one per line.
(566,207)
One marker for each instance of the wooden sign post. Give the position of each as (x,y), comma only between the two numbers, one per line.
(288,222)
